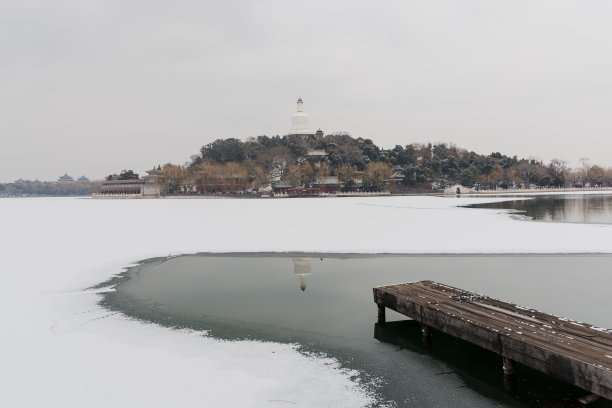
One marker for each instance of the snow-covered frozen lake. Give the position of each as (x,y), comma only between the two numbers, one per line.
(60,348)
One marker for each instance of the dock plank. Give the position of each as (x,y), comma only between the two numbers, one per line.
(578,353)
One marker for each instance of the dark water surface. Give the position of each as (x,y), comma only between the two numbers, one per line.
(580,208)
(325,305)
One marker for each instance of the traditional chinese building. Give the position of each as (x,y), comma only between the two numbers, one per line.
(152,186)
(149,186)
(328,184)
(316,157)
(115,188)
(65,177)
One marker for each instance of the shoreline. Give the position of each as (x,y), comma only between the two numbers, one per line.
(419,193)
(354,255)
(436,193)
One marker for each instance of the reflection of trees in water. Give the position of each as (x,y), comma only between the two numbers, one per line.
(574,209)
(579,208)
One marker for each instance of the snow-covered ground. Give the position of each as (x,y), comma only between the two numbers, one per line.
(58,348)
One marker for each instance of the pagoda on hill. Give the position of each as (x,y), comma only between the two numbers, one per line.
(300,122)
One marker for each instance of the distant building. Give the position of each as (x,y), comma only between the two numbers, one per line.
(398,175)
(300,122)
(318,154)
(281,186)
(316,157)
(65,177)
(329,184)
(114,188)
(304,192)
(152,183)
(83,178)
(148,186)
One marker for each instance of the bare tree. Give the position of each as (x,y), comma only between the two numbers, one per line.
(275,161)
(558,171)
(586,169)
(376,174)
(322,173)
(527,172)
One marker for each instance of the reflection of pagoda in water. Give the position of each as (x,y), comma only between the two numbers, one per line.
(302,267)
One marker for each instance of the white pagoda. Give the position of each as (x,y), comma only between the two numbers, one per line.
(300,122)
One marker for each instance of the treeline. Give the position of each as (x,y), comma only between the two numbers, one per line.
(231,164)
(209,176)
(37,188)
(256,162)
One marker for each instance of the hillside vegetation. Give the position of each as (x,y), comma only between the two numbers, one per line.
(256,162)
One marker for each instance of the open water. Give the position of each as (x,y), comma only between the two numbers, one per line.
(580,208)
(324,305)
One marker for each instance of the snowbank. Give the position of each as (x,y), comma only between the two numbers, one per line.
(59,348)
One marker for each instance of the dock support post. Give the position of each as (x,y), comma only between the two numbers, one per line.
(508,366)
(509,378)
(426,334)
(589,399)
(381,314)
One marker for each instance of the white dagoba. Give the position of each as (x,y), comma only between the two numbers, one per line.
(300,122)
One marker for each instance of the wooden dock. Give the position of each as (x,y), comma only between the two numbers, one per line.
(575,352)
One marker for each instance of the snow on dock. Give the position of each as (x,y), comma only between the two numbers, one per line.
(571,351)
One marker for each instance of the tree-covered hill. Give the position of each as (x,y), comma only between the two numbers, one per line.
(257,161)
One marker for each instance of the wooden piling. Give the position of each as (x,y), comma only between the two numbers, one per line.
(589,399)
(381,314)
(426,334)
(508,366)
(509,378)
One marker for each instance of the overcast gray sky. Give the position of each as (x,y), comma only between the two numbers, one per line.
(93,87)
